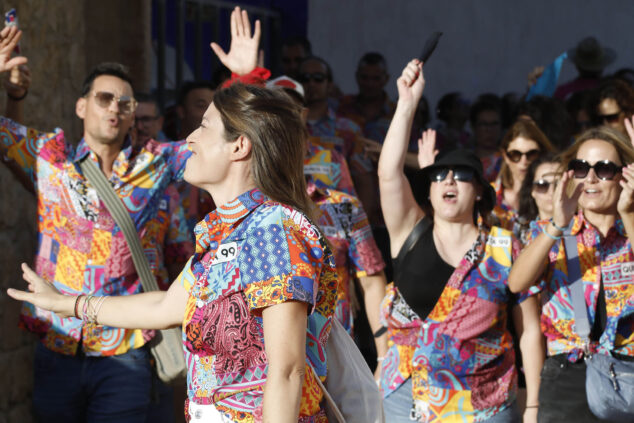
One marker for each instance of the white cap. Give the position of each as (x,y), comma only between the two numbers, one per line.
(286,82)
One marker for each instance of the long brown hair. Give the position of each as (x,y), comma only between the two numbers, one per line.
(271,121)
(526,129)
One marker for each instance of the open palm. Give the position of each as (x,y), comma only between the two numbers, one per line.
(243,52)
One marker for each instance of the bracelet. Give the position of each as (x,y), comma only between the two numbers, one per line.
(379,359)
(14,98)
(559,228)
(553,237)
(77,304)
(532,406)
(380,332)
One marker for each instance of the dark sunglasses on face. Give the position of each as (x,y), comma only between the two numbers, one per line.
(611,118)
(542,185)
(317,77)
(605,169)
(515,155)
(460,173)
(126,103)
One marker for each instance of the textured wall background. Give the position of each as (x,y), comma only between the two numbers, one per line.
(487,45)
(63,40)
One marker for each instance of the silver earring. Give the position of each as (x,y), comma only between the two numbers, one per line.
(478,198)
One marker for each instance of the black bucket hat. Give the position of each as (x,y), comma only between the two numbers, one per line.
(460,157)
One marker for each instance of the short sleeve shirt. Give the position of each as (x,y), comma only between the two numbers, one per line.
(253,253)
(346,226)
(461,357)
(603,259)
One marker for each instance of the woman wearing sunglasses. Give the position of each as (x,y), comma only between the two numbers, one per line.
(614,103)
(450,354)
(523,143)
(536,194)
(595,199)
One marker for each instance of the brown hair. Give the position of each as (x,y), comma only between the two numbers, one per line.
(526,129)
(271,121)
(620,142)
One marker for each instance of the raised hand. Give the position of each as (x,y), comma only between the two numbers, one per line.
(243,52)
(41,294)
(411,83)
(17,83)
(9,37)
(629,127)
(564,205)
(626,199)
(427,148)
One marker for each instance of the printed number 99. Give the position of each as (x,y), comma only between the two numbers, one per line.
(226,252)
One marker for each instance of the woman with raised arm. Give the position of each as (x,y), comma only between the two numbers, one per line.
(595,199)
(450,354)
(256,299)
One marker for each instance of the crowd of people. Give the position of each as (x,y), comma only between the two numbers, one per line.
(289,205)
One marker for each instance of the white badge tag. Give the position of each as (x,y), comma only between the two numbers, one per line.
(627,269)
(500,241)
(330,231)
(225,252)
(317,169)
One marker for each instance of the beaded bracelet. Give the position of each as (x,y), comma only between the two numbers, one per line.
(559,228)
(20,98)
(379,359)
(84,310)
(556,238)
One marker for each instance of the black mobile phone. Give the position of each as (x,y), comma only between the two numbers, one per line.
(430,46)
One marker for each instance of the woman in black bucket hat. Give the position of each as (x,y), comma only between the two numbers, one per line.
(450,352)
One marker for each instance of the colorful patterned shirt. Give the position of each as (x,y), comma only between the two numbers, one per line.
(608,260)
(504,215)
(375,129)
(328,167)
(346,226)
(491,166)
(81,249)
(336,133)
(461,357)
(252,253)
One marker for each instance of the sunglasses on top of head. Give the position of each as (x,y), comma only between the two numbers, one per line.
(460,173)
(605,169)
(125,103)
(611,118)
(515,155)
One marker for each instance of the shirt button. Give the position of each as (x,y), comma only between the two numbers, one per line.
(198,414)
(425,325)
(200,303)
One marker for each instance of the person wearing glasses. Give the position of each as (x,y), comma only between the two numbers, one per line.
(148,119)
(522,144)
(450,352)
(595,200)
(614,103)
(536,194)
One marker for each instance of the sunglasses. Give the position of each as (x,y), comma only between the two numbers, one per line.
(612,118)
(125,103)
(515,155)
(542,185)
(460,173)
(605,169)
(317,77)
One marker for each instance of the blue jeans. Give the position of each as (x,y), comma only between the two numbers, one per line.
(398,404)
(78,389)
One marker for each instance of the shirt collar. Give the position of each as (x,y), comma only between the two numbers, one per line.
(241,206)
(580,224)
(83,149)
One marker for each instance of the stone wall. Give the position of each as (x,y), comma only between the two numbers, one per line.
(63,40)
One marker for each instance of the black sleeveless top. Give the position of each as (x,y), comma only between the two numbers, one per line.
(422,275)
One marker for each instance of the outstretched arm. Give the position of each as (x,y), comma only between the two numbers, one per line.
(243,52)
(9,38)
(149,310)
(400,210)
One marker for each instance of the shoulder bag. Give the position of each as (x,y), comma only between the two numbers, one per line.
(167,345)
(609,381)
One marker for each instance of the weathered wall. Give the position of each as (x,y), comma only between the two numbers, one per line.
(63,40)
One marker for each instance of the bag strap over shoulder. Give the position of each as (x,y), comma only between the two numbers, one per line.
(582,324)
(121,216)
(413,237)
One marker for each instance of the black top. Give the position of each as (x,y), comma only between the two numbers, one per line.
(422,275)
